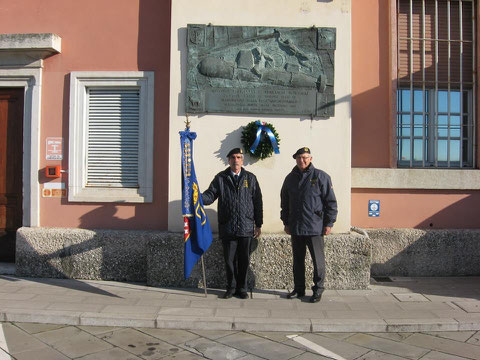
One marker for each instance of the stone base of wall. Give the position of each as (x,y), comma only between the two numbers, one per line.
(412,252)
(157,258)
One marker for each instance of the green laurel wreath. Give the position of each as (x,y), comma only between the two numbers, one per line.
(264,148)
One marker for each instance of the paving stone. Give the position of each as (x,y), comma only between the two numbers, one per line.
(297,314)
(278,336)
(216,304)
(23,304)
(213,350)
(435,355)
(96,330)
(338,336)
(14,340)
(213,334)
(462,336)
(406,314)
(34,328)
(15,296)
(430,306)
(269,304)
(444,345)
(170,336)
(107,300)
(162,302)
(377,355)
(5,356)
(140,344)
(43,316)
(469,306)
(65,298)
(254,313)
(310,356)
(53,336)
(110,354)
(410,297)
(80,345)
(76,307)
(475,339)
(258,346)
(396,336)
(387,346)
(46,353)
(341,348)
(183,355)
(129,309)
(259,324)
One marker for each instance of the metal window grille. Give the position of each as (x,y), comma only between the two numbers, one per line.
(112,137)
(436,83)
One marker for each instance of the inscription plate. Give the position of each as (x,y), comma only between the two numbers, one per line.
(260,70)
(260,100)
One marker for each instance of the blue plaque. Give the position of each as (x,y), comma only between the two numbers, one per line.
(374,208)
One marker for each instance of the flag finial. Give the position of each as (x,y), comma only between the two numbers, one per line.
(187,123)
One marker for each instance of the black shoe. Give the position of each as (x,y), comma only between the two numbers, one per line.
(316,296)
(295,293)
(242,294)
(228,294)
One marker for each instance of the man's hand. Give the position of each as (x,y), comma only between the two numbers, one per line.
(327,230)
(287,229)
(257,232)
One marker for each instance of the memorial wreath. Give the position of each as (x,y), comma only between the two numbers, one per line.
(260,139)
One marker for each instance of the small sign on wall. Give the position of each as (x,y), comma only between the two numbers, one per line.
(54,190)
(54,148)
(374,208)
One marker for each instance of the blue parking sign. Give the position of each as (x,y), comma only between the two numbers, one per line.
(374,208)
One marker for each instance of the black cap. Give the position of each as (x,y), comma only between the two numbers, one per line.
(303,150)
(235,151)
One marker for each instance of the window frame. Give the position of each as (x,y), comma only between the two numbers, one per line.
(80,81)
(433,88)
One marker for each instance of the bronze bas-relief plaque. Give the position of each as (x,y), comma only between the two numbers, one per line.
(260,70)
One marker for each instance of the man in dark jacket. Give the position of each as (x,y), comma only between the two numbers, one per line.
(240,217)
(308,211)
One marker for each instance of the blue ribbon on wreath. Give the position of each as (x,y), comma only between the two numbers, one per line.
(266,129)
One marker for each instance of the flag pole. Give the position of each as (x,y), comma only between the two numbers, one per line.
(204,278)
(187,127)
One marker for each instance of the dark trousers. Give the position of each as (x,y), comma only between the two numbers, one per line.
(299,249)
(236,253)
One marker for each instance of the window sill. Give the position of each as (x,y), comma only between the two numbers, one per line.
(109,195)
(434,179)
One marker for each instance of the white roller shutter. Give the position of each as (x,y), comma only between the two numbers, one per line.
(112,137)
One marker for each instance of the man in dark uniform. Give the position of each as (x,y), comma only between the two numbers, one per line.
(309,209)
(240,217)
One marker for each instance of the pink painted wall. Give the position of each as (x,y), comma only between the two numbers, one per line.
(371,114)
(421,209)
(116,35)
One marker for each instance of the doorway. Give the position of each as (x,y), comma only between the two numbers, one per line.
(11,165)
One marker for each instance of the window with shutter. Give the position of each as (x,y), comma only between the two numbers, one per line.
(435,83)
(111,137)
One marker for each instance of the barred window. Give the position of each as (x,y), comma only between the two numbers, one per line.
(436,83)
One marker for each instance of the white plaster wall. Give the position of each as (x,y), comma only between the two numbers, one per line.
(329,140)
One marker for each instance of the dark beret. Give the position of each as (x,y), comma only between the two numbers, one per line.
(235,151)
(303,150)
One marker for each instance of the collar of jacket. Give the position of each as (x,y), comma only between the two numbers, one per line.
(228,172)
(309,169)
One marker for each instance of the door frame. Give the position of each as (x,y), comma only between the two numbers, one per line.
(30,79)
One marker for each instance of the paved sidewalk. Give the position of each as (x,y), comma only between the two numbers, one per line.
(402,305)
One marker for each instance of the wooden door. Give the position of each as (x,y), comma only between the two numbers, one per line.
(11,155)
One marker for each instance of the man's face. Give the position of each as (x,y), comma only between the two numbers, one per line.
(303,161)
(236,162)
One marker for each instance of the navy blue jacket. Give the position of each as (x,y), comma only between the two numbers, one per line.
(308,202)
(240,208)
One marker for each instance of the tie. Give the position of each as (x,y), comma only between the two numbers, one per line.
(235,178)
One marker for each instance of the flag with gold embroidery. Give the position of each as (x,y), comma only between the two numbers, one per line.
(197,232)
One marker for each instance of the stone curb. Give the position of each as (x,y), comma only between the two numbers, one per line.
(235,323)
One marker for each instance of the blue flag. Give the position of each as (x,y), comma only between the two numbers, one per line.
(197,233)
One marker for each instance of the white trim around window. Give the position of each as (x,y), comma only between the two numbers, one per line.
(80,84)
